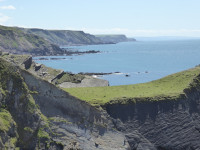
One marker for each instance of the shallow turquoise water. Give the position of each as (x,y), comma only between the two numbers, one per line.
(144,60)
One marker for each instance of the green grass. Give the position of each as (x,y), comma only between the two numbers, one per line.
(28,129)
(18,59)
(169,86)
(43,134)
(5,120)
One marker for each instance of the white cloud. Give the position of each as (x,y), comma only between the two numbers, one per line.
(9,7)
(3,18)
(2,0)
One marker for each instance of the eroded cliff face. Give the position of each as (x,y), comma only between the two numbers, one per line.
(73,121)
(65,37)
(22,123)
(35,114)
(161,125)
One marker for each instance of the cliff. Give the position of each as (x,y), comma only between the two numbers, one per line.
(114,38)
(65,37)
(161,125)
(15,41)
(159,115)
(36,114)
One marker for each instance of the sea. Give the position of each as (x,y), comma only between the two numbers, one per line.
(135,62)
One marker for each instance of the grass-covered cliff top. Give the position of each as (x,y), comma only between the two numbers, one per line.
(171,86)
(14,40)
(65,37)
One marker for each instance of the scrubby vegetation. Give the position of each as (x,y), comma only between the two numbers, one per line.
(6,120)
(170,86)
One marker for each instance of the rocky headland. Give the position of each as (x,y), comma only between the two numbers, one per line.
(39,42)
(65,37)
(113,39)
(15,41)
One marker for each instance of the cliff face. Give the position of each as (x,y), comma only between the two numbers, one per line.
(74,121)
(114,38)
(22,123)
(65,37)
(35,114)
(14,40)
(161,125)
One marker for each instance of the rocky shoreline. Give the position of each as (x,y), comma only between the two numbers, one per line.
(68,53)
(98,73)
(76,52)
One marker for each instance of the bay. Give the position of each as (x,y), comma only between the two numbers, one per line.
(142,61)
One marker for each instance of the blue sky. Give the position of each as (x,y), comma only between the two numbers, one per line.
(131,17)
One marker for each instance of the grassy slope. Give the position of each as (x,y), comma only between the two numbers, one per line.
(14,40)
(6,120)
(170,86)
(65,37)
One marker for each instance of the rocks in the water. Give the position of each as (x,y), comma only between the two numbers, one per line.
(71,52)
(57,58)
(43,58)
(127,75)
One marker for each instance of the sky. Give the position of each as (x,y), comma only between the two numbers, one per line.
(130,17)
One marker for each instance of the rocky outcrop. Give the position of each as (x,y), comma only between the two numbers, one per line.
(114,38)
(161,125)
(55,76)
(27,62)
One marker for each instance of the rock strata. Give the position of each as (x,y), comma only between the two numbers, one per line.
(161,125)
